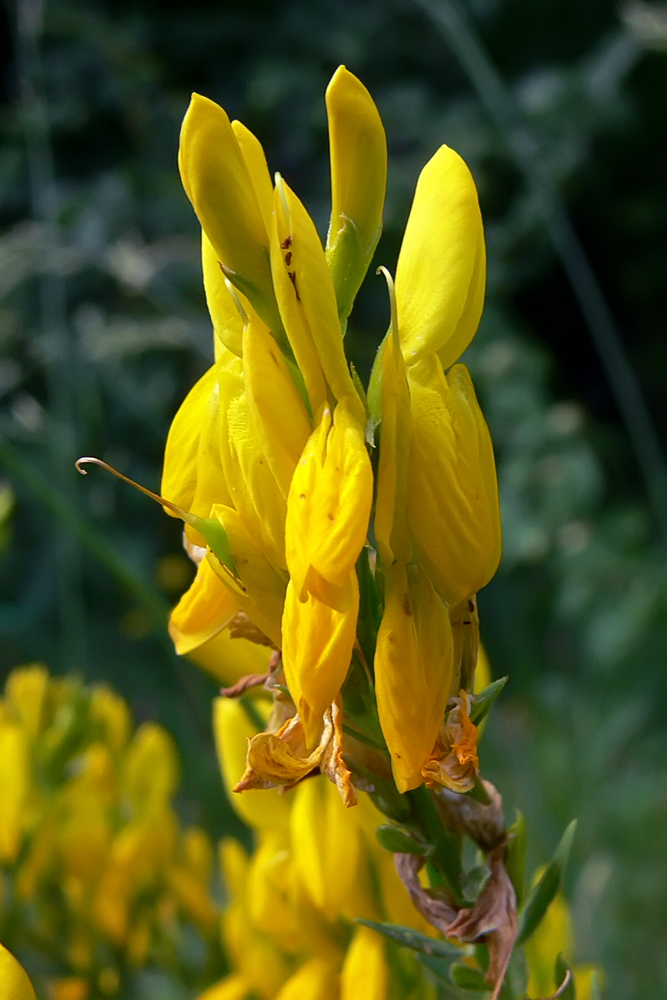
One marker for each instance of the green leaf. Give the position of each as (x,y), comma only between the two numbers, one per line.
(482,702)
(515,856)
(560,975)
(370,607)
(400,841)
(547,887)
(360,707)
(408,938)
(468,979)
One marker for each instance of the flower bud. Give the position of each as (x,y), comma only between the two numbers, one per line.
(220,186)
(358,183)
(441,271)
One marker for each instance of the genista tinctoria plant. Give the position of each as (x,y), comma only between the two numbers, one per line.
(346,532)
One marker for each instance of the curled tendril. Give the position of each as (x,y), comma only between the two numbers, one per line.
(89,460)
(563,986)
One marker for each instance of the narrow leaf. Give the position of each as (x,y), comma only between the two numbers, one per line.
(399,841)
(482,702)
(414,939)
(468,979)
(515,856)
(544,892)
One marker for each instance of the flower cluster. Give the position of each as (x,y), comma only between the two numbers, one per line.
(289,927)
(98,876)
(296,527)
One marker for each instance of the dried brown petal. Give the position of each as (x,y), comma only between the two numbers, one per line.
(432,904)
(454,762)
(493,919)
(332,763)
(484,823)
(241,627)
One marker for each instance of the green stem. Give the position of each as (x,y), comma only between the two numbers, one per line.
(447,846)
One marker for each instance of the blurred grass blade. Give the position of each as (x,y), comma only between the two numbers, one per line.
(545,891)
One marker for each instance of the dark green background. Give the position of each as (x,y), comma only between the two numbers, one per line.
(103,329)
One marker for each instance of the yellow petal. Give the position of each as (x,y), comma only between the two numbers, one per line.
(328,849)
(151,768)
(280,421)
(192,474)
(260,589)
(234,987)
(202,611)
(307,301)
(14,982)
(358,150)
(226,319)
(365,972)
(269,892)
(413,670)
(452,491)
(317,649)
(110,713)
(552,938)
(317,979)
(233,729)
(255,160)
(253,489)
(329,504)
(440,271)
(25,693)
(15,782)
(219,185)
(391,510)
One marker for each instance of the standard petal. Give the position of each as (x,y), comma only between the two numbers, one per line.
(219,185)
(453,493)
(203,610)
(180,472)
(413,670)
(437,264)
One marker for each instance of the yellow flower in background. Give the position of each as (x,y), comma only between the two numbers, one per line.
(93,855)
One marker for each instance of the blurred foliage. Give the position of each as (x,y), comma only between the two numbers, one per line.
(103,329)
